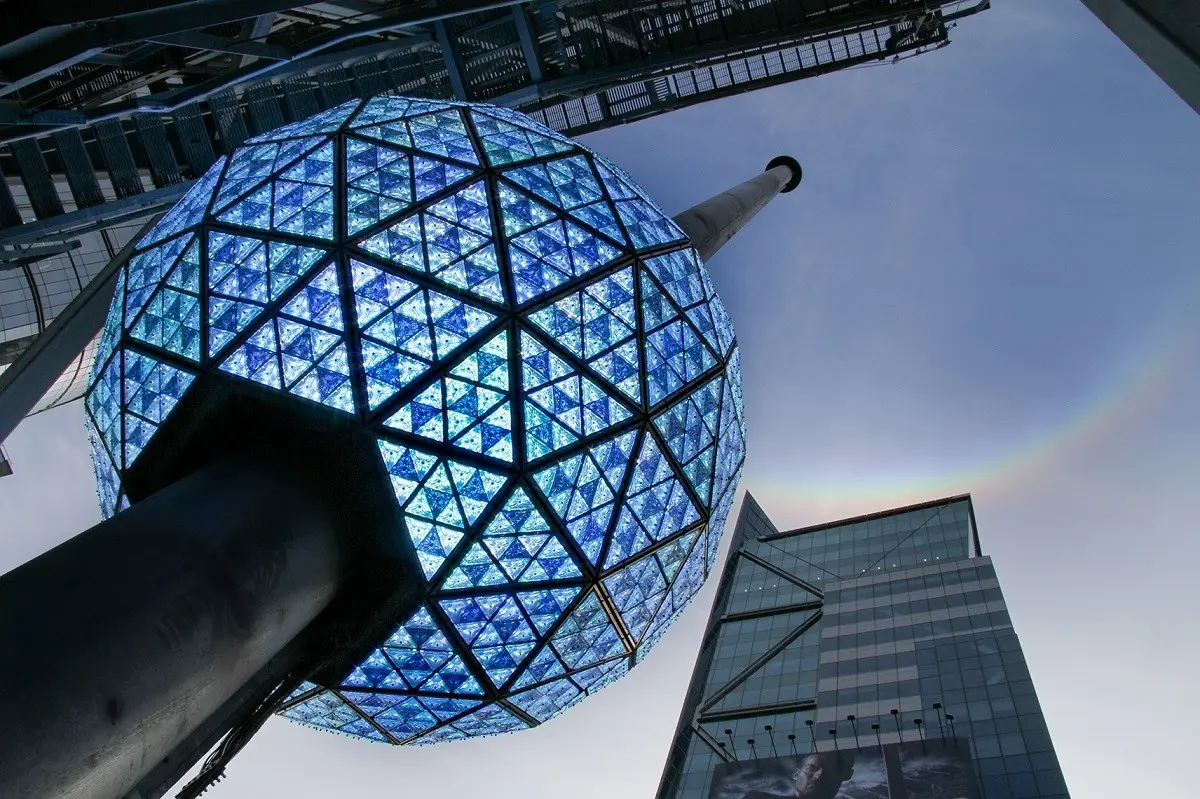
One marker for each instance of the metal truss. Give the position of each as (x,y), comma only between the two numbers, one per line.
(108,116)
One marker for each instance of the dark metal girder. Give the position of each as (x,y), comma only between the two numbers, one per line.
(11,259)
(48,50)
(198,40)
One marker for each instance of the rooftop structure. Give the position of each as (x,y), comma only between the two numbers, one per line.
(104,124)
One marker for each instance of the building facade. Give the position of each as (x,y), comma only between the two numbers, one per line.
(871,640)
(1165,34)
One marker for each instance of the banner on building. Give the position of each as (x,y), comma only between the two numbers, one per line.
(934,769)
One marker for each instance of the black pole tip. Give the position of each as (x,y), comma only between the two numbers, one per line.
(792,164)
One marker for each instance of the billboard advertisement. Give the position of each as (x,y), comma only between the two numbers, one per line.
(936,769)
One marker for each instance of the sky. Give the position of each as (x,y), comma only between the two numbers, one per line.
(986,283)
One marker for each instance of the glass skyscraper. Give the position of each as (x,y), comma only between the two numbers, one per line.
(874,640)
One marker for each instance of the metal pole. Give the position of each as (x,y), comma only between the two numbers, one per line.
(121,642)
(36,369)
(713,222)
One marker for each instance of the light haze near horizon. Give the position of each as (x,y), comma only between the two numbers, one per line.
(986,283)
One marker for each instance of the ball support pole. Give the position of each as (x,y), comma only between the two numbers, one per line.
(127,640)
(123,641)
(713,222)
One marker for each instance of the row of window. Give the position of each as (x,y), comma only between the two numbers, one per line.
(902,607)
(876,543)
(933,581)
(919,631)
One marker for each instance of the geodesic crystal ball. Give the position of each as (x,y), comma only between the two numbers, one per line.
(551,379)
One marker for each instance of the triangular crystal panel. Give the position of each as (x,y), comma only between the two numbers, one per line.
(594,323)
(496,630)
(587,636)
(582,489)
(325,122)
(559,397)
(406,328)
(146,270)
(190,210)
(379,184)
(637,591)
(690,428)
(425,658)
(150,391)
(675,353)
(443,133)
(507,143)
(657,506)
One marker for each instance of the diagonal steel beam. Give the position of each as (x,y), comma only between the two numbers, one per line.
(758,663)
(34,372)
(49,50)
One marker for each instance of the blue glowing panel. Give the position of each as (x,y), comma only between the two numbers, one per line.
(190,210)
(440,500)
(111,333)
(690,428)
(507,143)
(600,216)
(731,447)
(587,636)
(244,274)
(544,667)
(547,606)
(716,525)
(567,248)
(496,629)
(151,389)
(657,506)
(251,166)
(469,407)
(103,401)
(521,212)
(325,122)
(326,711)
(300,201)
(542,359)
(400,716)
(683,276)
(582,490)
(257,359)
(648,226)
(379,184)
(451,242)
(108,480)
(171,320)
(518,545)
(684,588)
(406,328)
(380,109)
(443,133)
(675,353)
(598,677)
(561,406)
(546,701)
(637,592)
(566,182)
(427,662)
(147,269)
(598,323)
(489,720)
